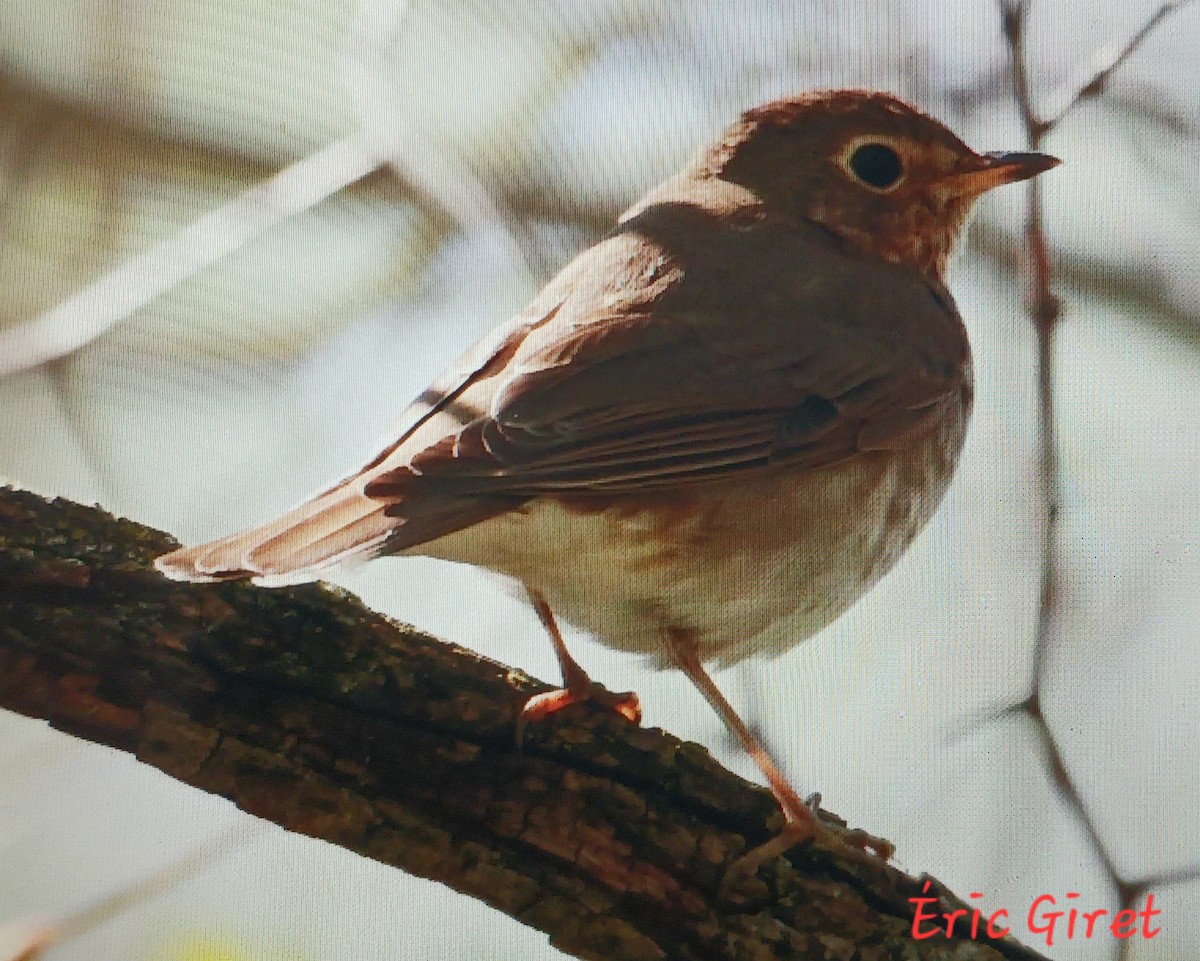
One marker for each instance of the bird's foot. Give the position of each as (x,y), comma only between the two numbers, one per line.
(748,864)
(577,686)
(541,706)
(871,847)
(803,824)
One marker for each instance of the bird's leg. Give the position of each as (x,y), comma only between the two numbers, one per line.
(577,686)
(800,818)
(800,823)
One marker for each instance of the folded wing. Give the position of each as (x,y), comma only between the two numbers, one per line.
(633,374)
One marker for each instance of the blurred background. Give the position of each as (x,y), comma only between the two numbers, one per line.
(237,236)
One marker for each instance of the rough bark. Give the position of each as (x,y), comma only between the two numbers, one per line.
(308,710)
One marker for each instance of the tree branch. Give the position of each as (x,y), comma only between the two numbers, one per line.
(308,710)
(1105,62)
(1045,311)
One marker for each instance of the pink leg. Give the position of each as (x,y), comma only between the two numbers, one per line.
(800,820)
(577,686)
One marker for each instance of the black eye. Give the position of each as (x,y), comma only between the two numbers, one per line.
(877,165)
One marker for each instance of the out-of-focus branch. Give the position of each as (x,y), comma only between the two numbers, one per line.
(1045,310)
(308,710)
(29,940)
(1095,76)
(424,167)
(379,140)
(137,280)
(1044,304)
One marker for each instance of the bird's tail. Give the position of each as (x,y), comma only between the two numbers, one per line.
(335,526)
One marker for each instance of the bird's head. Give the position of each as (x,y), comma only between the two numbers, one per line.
(867,167)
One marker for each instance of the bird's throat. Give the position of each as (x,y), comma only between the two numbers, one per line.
(924,237)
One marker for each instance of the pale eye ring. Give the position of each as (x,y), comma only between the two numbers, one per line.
(876,165)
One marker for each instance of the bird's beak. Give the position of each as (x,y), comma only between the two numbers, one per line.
(985,171)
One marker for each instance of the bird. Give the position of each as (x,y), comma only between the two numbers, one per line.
(711,432)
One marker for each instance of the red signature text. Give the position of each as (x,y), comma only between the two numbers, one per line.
(1047,919)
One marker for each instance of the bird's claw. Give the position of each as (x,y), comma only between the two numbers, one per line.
(541,706)
(876,848)
(748,864)
(859,844)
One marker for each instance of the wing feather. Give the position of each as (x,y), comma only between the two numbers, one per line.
(708,378)
(684,349)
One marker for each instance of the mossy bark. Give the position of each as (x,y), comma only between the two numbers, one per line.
(308,710)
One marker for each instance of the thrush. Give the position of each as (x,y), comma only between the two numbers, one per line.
(712,431)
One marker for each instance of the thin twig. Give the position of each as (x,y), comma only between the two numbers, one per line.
(136,281)
(30,940)
(432,171)
(1044,305)
(1103,65)
(1012,22)
(1045,310)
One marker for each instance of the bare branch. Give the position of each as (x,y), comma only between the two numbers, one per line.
(1104,63)
(139,279)
(1045,310)
(307,710)
(428,169)
(28,941)
(1012,24)
(1093,79)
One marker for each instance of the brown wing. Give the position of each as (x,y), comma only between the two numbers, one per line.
(701,375)
(647,364)
(675,415)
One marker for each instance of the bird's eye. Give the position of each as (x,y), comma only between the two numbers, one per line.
(876,165)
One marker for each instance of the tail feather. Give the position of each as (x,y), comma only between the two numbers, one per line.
(333,527)
(342,527)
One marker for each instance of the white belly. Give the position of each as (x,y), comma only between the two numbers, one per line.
(752,567)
